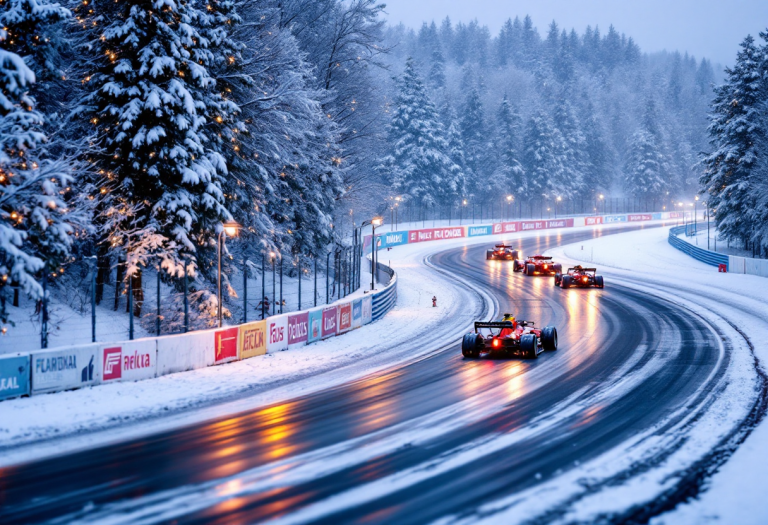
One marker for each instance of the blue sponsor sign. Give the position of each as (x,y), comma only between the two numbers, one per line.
(315,320)
(387,240)
(14,376)
(357,313)
(614,218)
(477,231)
(657,216)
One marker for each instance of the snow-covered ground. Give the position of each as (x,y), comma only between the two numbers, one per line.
(644,259)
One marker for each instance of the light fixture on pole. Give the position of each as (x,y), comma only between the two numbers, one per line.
(695,218)
(230,229)
(602,198)
(509,201)
(557,201)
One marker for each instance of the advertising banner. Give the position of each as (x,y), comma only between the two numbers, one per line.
(367,244)
(277,333)
(367,309)
(592,221)
(129,361)
(506,227)
(74,367)
(640,217)
(357,313)
(560,223)
(675,215)
(614,218)
(225,345)
(657,216)
(180,353)
(435,234)
(387,240)
(345,318)
(329,321)
(477,231)
(315,325)
(298,329)
(14,376)
(253,339)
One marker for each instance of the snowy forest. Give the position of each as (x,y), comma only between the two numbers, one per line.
(133,131)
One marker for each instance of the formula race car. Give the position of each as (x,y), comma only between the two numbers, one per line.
(538,265)
(508,338)
(501,252)
(578,277)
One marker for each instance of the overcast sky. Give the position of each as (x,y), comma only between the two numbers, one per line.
(704,28)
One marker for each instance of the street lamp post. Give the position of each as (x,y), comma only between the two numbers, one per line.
(376,221)
(509,201)
(602,198)
(557,201)
(695,218)
(230,229)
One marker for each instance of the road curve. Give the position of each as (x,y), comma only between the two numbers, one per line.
(437,437)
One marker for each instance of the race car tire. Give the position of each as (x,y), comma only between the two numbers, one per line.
(471,345)
(530,269)
(549,338)
(516,267)
(599,281)
(558,278)
(529,346)
(566,282)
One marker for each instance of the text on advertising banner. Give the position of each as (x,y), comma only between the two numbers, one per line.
(345,317)
(357,313)
(54,370)
(315,325)
(592,221)
(639,217)
(367,309)
(675,215)
(386,240)
(225,345)
(14,376)
(298,329)
(253,339)
(129,361)
(506,227)
(329,321)
(477,231)
(435,234)
(277,333)
(614,218)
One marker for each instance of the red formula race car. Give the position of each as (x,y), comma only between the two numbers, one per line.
(508,338)
(501,252)
(538,265)
(578,277)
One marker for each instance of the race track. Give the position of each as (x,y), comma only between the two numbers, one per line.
(435,439)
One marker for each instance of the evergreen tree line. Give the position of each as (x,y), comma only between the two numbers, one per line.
(735,171)
(568,115)
(131,131)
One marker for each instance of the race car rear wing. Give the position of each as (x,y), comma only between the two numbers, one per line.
(541,258)
(500,324)
(584,269)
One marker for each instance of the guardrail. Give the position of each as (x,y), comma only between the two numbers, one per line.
(700,254)
(68,368)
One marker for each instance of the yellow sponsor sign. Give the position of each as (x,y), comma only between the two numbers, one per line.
(253,339)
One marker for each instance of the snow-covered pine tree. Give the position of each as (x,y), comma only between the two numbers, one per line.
(34,221)
(476,141)
(509,171)
(644,170)
(163,200)
(575,162)
(542,156)
(735,130)
(419,166)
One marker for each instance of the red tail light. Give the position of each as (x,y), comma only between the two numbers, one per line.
(545,266)
(496,343)
(586,279)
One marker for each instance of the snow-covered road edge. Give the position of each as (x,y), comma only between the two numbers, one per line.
(729,476)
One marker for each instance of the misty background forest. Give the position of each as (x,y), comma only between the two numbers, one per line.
(131,132)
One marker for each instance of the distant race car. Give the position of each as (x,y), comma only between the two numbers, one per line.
(538,265)
(502,252)
(508,339)
(578,277)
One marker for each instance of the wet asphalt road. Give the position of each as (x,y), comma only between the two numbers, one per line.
(210,472)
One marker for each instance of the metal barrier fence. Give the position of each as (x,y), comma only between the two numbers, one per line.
(385,300)
(700,254)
